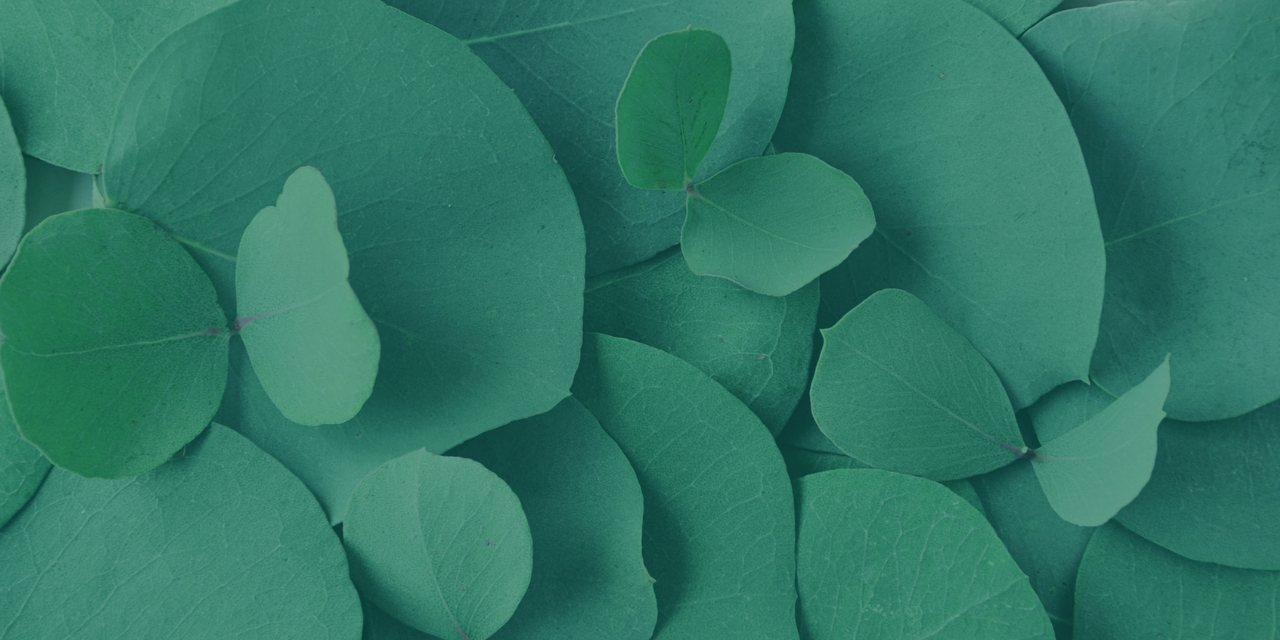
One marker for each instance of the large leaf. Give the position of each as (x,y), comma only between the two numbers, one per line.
(115,349)
(22,467)
(1132,589)
(758,347)
(983,205)
(313,347)
(64,64)
(886,555)
(221,542)
(1176,105)
(13,185)
(898,389)
(719,525)
(465,245)
(568,60)
(774,224)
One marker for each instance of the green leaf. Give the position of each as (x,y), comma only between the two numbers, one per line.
(22,467)
(775,223)
(115,349)
(440,543)
(898,389)
(64,63)
(1129,588)
(719,522)
(1016,15)
(466,248)
(758,347)
(886,555)
(311,343)
(1094,470)
(1180,137)
(379,625)
(585,510)
(671,107)
(13,184)
(567,62)
(983,204)
(221,542)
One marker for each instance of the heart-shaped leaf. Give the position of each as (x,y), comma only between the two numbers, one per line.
(22,467)
(13,187)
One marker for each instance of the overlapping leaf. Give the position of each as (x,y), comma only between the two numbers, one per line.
(13,185)
(22,467)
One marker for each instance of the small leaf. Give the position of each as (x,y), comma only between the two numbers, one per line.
(22,467)
(898,389)
(775,223)
(440,543)
(115,350)
(671,106)
(312,345)
(1094,470)
(13,185)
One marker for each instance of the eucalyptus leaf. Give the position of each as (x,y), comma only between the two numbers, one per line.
(13,184)
(1016,15)
(719,524)
(775,223)
(567,62)
(671,107)
(886,555)
(312,345)
(22,467)
(115,349)
(983,204)
(758,347)
(221,542)
(898,389)
(585,509)
(379,625)
(440,543)
(1176,105)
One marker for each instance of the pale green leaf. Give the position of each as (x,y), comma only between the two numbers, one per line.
(22,467)
(13,184)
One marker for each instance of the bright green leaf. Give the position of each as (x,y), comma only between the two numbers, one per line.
(758,347)
(898,389)
(671,107)
(22,467)
(719,524)
(585,511)
(13,184)
(1016,15)
(1176,106)
(221,542)
(312,345)
(568,60)
(983,204)
(775,223)
(115,349)
(440,543)
(886,555)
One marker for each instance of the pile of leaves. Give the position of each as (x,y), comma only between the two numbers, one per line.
(694,319)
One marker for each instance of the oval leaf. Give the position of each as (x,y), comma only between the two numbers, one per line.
(115,350)
(13,183)
(440,543)
(719,523)
(222,542)
(22,467)
(311,343)
(898,389)
(671,107)
(983,204)
(774,224)
(886,555)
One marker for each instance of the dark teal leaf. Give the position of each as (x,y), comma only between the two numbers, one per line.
(52,190)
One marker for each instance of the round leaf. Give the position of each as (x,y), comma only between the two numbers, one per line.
(440,543)
(13,182)
(983,205)
(222,542)
(22,467)
(115,350)
(885,555)
(774,224)
(898,389)
(311,343)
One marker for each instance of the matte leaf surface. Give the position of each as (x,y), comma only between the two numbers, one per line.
(13,185)
(1016,15)
(221,542)
(440,543)
(1176,106)
(719,526)
(585,510)
(115,349)
(775,223)
(983,205)
(22,467)
(898,389)
(568,60)
(886,555)
(758,347)
(312,345)
(671,107)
